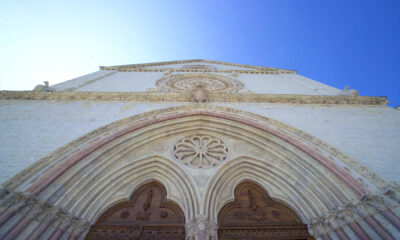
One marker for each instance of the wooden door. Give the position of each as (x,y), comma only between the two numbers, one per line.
(255,216)
(145,216)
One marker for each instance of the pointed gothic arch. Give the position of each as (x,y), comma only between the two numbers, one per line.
(254,215)
(146,215)
(81,180)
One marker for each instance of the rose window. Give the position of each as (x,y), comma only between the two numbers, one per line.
(187,82)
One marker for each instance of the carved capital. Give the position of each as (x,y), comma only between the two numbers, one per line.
(48,214)
(14,201)
(4,191)
(318,227)
(79,227)
(392,191)
(190,229)
(346,213)
(75,227)
(367,205)
(36,210)
(375,202)
(202,226)
(65,221)
(331,219)
(43,212)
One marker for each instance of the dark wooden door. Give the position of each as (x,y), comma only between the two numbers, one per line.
(145,216)
(255,216)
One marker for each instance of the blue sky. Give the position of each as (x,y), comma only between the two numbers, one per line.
(339,43)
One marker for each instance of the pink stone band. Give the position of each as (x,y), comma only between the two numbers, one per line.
(40,185)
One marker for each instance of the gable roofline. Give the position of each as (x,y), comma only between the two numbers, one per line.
(153,64)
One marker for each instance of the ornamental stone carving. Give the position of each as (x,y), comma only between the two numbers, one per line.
(43,88)
(186,83)
(201,228)
(202,151)
(198,66)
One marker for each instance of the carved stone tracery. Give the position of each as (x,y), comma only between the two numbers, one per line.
(185,83)
(256,206)
(201,151)
(198,66)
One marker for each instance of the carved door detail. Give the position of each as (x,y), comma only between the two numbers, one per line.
(145,216)
(255,216)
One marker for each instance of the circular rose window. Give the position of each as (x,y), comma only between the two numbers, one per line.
(188,82)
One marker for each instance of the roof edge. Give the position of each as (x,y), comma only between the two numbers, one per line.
(152,64)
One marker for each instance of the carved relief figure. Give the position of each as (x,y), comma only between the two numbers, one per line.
(254,215)
(199,94)
(146,215)
(43,87)
(146,205)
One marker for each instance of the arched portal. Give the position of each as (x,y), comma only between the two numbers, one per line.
(66,192)
(254,215)
(146,215)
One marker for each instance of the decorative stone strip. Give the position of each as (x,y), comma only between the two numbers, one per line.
(351,214)
(127,69)
(146,65)
(187,97)
(12,203)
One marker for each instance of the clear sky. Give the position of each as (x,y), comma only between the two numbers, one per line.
(339,43)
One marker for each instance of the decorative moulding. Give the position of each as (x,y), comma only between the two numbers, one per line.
(187,97)
(184,83)
(141,67)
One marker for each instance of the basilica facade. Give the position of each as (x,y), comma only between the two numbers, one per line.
(198,150)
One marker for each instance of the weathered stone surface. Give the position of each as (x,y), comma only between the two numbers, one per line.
(31,129)
(187,97)
(329,156)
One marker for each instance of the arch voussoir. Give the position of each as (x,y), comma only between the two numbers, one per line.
(82,180)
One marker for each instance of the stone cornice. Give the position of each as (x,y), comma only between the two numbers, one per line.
(263,71)
(186,97)
(154,64)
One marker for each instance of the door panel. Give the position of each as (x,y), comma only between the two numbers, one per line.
(145,216)
(254,215)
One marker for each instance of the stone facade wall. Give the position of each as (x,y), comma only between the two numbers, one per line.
(32,129)
(77,148)
(75,184)
(112,81)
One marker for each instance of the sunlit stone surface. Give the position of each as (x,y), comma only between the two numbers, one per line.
(199,131)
